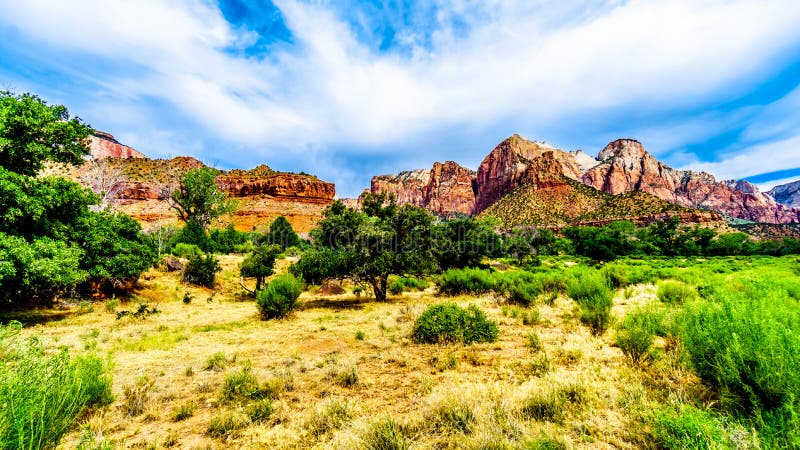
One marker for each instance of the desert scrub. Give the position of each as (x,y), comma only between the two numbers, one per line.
(328,417)
(675,292)
(201,270)
(465,281)
(43,394)
(400,284)
(747,347)
(280,296)
(590,290)
(636,331)
(243,384)
(227,424)
(384,434)
(449,323)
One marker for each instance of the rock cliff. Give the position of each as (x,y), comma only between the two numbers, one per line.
(142,185)
(445,189)
(104,145)
(623,166)
(787,194)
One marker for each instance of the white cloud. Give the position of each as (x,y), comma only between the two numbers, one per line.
(758,159)
(537,62)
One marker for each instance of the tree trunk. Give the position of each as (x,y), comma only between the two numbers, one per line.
(259,281)
(379,288)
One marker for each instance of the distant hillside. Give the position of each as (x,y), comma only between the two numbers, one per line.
(549,198)
(787,194)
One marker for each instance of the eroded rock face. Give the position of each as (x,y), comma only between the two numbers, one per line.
(622,166)
(104,145)
(626,167)
(787,194)
(445,189)
(262,193)
(505,168)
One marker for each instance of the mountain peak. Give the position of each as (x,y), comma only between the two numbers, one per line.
(623,148)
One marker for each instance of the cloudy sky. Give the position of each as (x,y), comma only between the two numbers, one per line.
(349,89)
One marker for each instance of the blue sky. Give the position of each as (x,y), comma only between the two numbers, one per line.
(349,89)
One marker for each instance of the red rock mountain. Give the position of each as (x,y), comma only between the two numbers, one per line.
(445,189)
(143,184)
(104,145)
(623,166)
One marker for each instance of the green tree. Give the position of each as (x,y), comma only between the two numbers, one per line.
(282,233)
(199,199)
(465,241)
(384,239)
(32,132)
(260,263)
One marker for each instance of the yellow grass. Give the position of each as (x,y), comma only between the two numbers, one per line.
(443,396)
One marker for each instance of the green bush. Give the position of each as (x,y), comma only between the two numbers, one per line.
(675,292)
(636,331)
(385,434)
(201,270)
(280,296)
(449,323)
(595,299)
(465,281)
(400,284)
(227,424)
(227,240)
(687,427)
(42,395)
(186,250)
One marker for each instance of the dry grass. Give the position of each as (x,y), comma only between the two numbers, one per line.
(321,386)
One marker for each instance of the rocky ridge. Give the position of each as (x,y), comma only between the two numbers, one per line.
(143,185)
(623,166)
(787,194)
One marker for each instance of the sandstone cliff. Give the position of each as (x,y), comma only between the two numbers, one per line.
(445,189)
(787,194)
(142,185)
(623,166)
(104,145)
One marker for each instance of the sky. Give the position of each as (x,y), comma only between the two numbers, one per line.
(350,89)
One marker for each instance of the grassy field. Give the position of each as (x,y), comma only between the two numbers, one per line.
(343,372)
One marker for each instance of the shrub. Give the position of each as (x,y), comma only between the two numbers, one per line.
(595,299)
(384,434)
(227,424)
(675,292)
(449,323)
(748,348)
(241,384)
(280,296)
(551,404)
(186,250)
(400,284)
(260,411)
(534,342)
(227,240)
(216,362)
(183,412)
(545,442)
(136,396)
(201,270)
(329,417)
(465,281)
(42,395)
(635,333)
(687,427)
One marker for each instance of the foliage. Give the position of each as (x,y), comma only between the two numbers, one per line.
(385,434)
(282,233)
(280,296)
(465,241)
(688,427)
(603,243)
(201,270)
(636,331)
(594,297)
(384,239)
(675,292)
(190,234)
(465,281)
(43,394)
(32,132)
(260,263)
(400,284)
(226,241)
(522,242)
(199,199)
(449,323)
(182,250)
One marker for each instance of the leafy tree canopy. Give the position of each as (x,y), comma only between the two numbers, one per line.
(32,132)
(199,199)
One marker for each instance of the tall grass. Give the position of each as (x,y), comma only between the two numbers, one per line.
(590,289)
(43,394)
